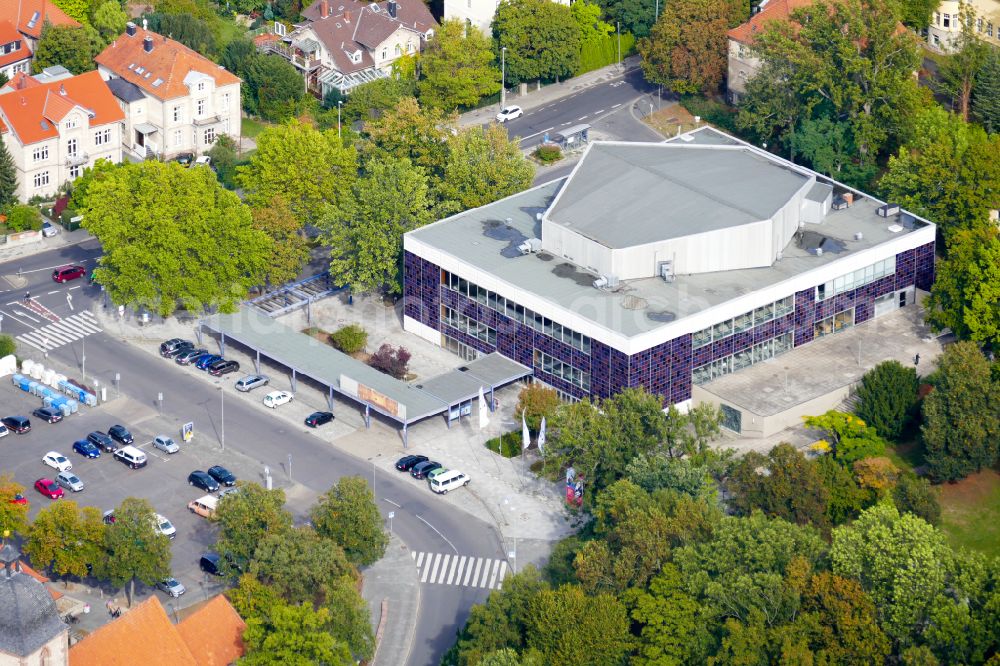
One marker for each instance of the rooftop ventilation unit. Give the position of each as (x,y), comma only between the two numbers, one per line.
(606,282)
(888,210)
(667,270)
(859,236)
(34,20)
(818,252)
(530,245)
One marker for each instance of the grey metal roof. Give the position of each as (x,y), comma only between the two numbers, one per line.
(626,194)
(492,370)
(28,615)
(819,192)
(125,90)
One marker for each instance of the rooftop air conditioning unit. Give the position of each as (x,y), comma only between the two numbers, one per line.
(818,252)
(858,236)
(888,210)
(530,245)
(667,271)
(606,282)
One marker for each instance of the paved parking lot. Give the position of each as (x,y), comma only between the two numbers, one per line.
(107,481)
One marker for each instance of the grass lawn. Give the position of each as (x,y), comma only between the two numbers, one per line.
(970,512)
(251,128)
(906,455)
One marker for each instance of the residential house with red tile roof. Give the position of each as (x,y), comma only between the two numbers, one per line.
(15,54)
(29,16)
(55,130)
(743,65)
(345,43)
(174,99)
(211,636)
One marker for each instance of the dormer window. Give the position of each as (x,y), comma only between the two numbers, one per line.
(71,122)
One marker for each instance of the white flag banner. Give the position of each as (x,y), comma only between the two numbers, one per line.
(525,435)
(484,419)
(541,436)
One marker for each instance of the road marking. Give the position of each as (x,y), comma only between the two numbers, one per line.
(469,576)
(496,571)
(427,569)
(535,134)
(61,332)
(53,292)
(598,112)
(464,571)
(503,574)
(420,559)
(459,564)
(6,314)
(28,316)
(439,534)
(438,562)
(386,499)
(486,572)
(448,559)
(581,118)
(615,106)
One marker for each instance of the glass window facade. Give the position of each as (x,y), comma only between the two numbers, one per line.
(468,325)
(834,324)
(564,371)
(744,322)
(858,278)
(761,351)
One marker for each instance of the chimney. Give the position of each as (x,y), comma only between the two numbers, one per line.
(130,29)
(147,44)
(145,25)
(62,90)
(324,8)
(849,198)
(391,7)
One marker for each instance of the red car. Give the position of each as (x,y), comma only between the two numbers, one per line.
(19,499)
(67,273)
(49,488)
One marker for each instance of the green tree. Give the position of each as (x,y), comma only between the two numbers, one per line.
(917,13)
(110,20)
(849,437)
(224,158)
(535,401)
(901,561)
(457,67)
(298,563)
(916,495)
(887,399)
(961,415)
(541,37)
(770,110)
(188,29)
(72,47)
(635,16)
(946,172)
(22,217)
(686,50)
(245,518)
(409,132)
(162,227)
(957,73)
(135,548)
(840,621)
(13,516)
(310,169)
(986,93)
(350,620)
(588,17)
(294,635)
(8,177)
(75,9)
(845,498)
(65,538)
(782,484)
(348,515)
(289,246)
(660,471)
(829,147)
(673,626)
(370,100)
(277,87)
(7,345)
(966,290)
(483,166)
(565,623)
(366,235)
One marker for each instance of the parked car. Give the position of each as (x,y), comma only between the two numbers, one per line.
(131,456)
(208,359)
(165,444)
(421,470)
(172,587)
(164,526)
(510,113)
(18,424)
(203,160)
(250,382)
(222,475)
(228,491)
(211,563)
(86,448)
(437,472)
(67,273)
(18,498)
(185,159)
(442,483)
(201,479)
(276,398)
(188,356)
(48,230)
(174,346)
(4,430)
(406,463)
(58,461)
(102,441)
(204,506)
(121,434)
(109,517)
(49,488)
(48,414)
(69,481)
(223,367)
(317,419)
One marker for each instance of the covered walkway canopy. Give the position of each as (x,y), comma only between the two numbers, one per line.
(400,401)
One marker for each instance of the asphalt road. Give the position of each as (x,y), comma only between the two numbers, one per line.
(585,106)
(251,431)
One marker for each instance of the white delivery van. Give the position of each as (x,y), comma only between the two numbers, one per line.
(450,480)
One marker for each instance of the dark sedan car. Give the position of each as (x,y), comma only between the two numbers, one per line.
(223,367)
(189,356)
(317,419)
(48,414)
(406,463)
(222,475)
(120,434)
(200,479)
(210,563)
(102,441)
(174,346)
(421,470)
(18,424)
(207,360)
(86,449)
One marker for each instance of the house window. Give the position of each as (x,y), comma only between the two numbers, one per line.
(979,24)
(71,147)
(399,50)
(102,137)
(74,171)
(209,136)
(989,29)
(743,75)
(385,53)
(201,85)
(225,102)
(40,153)
(946,21)
(937,18)
(225,125)
(177,114)
(177,137)
(409,45)
(201,107)
(41,179)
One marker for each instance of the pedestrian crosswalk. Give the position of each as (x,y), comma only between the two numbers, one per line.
(465,571)
(61,332)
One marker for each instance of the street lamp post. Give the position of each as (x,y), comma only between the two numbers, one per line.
(222,416)
(83,359)
(503,78)
(340,103)
(618,29)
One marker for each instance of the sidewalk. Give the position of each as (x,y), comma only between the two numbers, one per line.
(537,97)
(60,240)
(390,586)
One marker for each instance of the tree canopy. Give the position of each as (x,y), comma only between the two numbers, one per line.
(245,519)
(135,548)
(457,67)
(172,237)
(13,515)
(782,484)
(541,37)
(887,398)
(70,46)
(348,515)
(482,166)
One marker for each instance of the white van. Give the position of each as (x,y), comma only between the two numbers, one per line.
(450,480)
(131,456)
(204,506)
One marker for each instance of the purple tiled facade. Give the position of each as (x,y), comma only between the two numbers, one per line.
(665,369)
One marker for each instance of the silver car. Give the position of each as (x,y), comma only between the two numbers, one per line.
(69,481)
(165,444)
(250,382)
(171,586)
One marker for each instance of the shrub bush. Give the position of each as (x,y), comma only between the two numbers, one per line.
(712,111)
(394,362)
(508,445)
(23,218)
(7,345)
(349,339)
(548,153)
